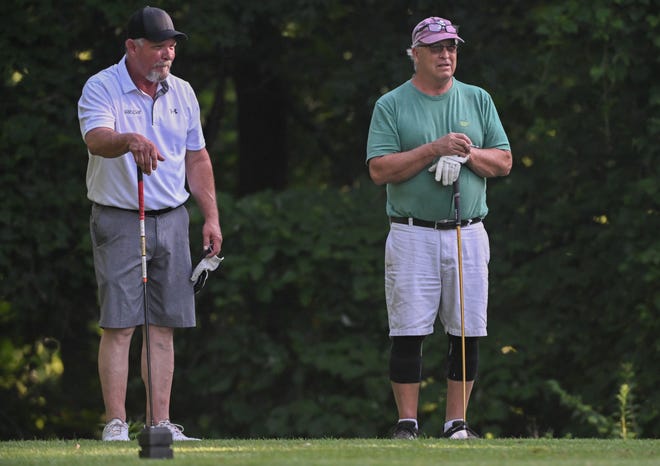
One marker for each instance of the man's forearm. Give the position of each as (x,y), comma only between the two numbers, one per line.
(490,163)
(106,142)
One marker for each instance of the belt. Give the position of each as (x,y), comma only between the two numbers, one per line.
(155,213)
(439,225)
(148,213)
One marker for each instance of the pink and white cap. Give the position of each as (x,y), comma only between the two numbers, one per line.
(434,29)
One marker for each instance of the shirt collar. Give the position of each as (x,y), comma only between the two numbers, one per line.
(127,84)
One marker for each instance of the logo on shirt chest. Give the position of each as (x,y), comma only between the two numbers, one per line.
(132,111)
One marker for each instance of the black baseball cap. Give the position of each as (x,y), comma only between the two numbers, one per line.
(152,24)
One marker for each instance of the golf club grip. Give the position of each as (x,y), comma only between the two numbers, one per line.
(457,202)
(143,241)
(140,185)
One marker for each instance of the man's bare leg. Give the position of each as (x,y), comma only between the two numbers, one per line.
(406,396)
(161,340)
(454,409)
(114,348)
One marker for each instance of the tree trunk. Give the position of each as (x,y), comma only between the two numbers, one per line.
(261,129)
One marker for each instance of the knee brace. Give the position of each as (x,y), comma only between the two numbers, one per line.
(454,360)
(406,359)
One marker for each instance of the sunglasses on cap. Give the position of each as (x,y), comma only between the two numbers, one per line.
(439,27)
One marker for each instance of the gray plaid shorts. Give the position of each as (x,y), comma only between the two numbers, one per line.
(115,235)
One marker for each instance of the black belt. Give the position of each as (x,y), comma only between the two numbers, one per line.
(154,213)
(439,225)
(148,213)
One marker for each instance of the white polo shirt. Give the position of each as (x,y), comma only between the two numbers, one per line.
(110,99)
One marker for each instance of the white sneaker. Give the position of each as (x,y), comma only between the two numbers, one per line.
(177,431)
(115,431)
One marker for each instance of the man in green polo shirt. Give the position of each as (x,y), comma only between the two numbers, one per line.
(426,134)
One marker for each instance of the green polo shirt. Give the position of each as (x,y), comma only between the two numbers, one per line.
(406,118)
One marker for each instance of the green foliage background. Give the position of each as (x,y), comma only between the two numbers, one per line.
(292,335)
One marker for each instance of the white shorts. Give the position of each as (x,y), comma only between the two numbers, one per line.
(421,280)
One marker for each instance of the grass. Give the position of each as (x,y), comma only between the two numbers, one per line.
(334,452)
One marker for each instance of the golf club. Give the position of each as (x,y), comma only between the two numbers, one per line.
(457,207)
(155,441)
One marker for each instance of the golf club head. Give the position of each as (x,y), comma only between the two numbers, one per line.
(155,442)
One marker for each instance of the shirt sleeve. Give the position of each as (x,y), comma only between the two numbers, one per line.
(494,135)
(195,136)
(383,136)
(95,108)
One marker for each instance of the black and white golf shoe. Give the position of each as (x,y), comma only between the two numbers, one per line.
(459,430)
(405,430)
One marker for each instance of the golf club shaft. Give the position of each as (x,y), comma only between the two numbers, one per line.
(143,248)
(457,206)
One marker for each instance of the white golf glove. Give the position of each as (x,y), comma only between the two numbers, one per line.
(201,272)
(447,168)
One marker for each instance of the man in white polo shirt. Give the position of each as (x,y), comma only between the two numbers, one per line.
(135,114)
